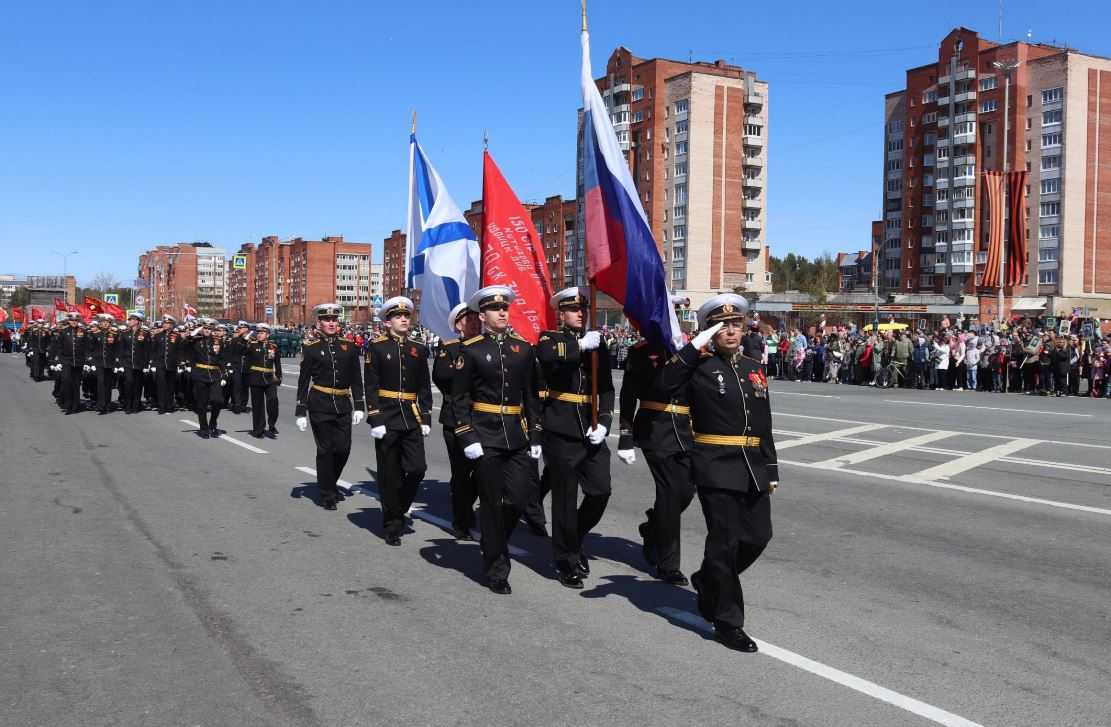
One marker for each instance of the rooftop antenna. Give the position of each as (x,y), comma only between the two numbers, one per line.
(1030,35)
(1000,21)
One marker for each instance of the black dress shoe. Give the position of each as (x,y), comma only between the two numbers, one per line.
(569,577)
(500,586)
(674,577)
(393,539)
(538,529)
(461,534)
(737,640)
(272,431)
(256,435)
(582,567)
(329,504)
(216,432)
(648,548)
(203,433)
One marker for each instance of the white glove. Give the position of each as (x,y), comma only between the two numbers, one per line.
(92,368)
(425,430)
(590,341)
(628,456)
(188,369)
(705,337)
(356,417)
(378,432)
(196,332)
(223,382)
(85,368)
(597,434)
(534,451)
(119,370)
(473,451)
(302,423)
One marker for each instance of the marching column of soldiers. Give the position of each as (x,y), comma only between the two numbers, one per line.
(701,418)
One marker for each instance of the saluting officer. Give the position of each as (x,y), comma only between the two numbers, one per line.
(660,426)
(464,490)
(209,353)
(134,358)
(496,406)
(100,346)
(733,459)
(399,403)
(69,360)
(264,376)
(575,451)
(165,356)
(330,397)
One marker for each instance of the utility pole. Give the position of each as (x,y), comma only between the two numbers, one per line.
(65,274)
(1007,67)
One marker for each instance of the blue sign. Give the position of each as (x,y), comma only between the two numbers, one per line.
(239,262)
(112,298)
(269,311)
(376,300)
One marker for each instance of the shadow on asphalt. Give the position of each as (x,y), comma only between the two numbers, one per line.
(649,596)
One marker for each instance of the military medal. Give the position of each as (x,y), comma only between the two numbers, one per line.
(759,384)
(721,384)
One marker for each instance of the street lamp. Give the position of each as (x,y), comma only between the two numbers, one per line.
(1006,67)
(65,274)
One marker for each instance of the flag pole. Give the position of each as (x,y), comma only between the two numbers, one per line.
(593,314)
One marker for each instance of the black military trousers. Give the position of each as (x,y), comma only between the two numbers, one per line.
(165,381)
(570,462)
(264,407)
(738,528)
(71,388)
(401,466)
(464,489)
(674,492)
(239,391)
(133,389)
(503,491)
(540,487)
(38,364)
(105,381)
(208,398)
(332,433)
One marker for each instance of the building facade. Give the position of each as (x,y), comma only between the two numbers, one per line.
(946,128)
(854,271)
(184,274)
(393,264)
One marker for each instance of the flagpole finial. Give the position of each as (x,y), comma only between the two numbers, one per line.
(413,126)
(485,140)
(584,14)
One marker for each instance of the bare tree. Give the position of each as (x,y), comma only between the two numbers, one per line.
(103,282)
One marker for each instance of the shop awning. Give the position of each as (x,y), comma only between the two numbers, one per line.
(1028,305)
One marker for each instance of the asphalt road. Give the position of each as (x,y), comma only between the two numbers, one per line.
(938,558)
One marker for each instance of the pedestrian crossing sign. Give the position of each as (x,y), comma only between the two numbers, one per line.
(112,298)
(239,262)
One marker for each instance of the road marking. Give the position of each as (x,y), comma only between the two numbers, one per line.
(226,438)
(837,434)
(798,393)
(889,448)
(989,408)
(871,689)
(974,459)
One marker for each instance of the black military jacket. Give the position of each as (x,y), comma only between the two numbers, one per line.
(133,349)
(209,358)
(237,353)
(100,347)
(398,388)
(332,363)
(567,374)
(40,342)
(165,349)
(443,372)
(262,366)
(729,407)
(494,392)
(68,347)
(649,418)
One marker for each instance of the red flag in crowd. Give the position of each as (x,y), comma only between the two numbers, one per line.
(513,254)
(99,306)
(3,315)
(17,314)
(84,311)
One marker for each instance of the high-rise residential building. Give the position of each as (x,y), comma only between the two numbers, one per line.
(376,288)
(946,128)
(393,264)
(695,136)
(186,273)
(241,285)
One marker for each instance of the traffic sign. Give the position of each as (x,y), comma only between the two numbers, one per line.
(112,298)
(239,262)
(269,311)
(140,300)
(376,300)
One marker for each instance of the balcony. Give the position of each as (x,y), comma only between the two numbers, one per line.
(754,182)
(942,184)
(962,224)
(753,120)
(966,96)
(751,225)
(962,268)
(966,75)
(753,161)
(752,245)
(942,204)
(964,203)
(965,159)
(750,140)
(754,99)
(942,122)
(752,204)
(894,194)
(964,181)
(966,138)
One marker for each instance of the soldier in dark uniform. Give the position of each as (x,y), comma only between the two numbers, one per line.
(69,358)
(237,356)
(165,357)
(100,346)
(575,450)
(494,398)
(264,376)
(733,459)
(330,397)
(38,350)
(464,489)
(209,369)
(660,426)
(399,411)
(133,355)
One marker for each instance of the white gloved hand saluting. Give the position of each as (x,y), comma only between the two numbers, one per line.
(534,451)
(472,451)
(302,423)
(356,417)
(628,456)
(705,337)
(223,382)
(590,341)
(597,434)
(85,368)
(378,432)
(425,430)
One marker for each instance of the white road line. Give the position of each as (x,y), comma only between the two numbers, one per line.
(837,434)
(912,480)
(226,438)
(799,393)
(871,689)
(973,459)
(889,448)
(989,408)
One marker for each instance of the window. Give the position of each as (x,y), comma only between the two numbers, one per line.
(1049,232)
(1051,117)
(680,148)
(682,106)
(929,118)
(896,145)
(1053,139)
(928,140)
(929,96)
(750,277)
(1051,186)
(894,185)
(621,117)
(942,152)
(894,165)
(638,116)
(1051,162)
(681,169)
(1047,277)
(752,130)
(681,127)
(648,134)
(987,106)
(1048,254)
(677,253)
(987,84)
(677,273)
(638,94)
(680,194)
(680,211)
(622,136)
(1052,95)
(895,127)
(679,233)
(981,258)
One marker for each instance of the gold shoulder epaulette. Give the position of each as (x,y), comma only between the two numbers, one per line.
(312,342)
(476,339)
(379,339)
(705,354)
(448,343)
(518,336)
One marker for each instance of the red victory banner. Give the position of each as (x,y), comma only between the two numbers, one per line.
(513,254)
(3,315)
(84,311)
(99,306)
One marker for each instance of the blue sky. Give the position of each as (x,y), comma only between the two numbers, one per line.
(126,125)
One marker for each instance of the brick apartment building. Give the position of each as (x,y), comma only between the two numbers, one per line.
(393,264)
(946,128)
(186,273)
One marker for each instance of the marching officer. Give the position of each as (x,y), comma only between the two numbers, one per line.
(660,426)
(100,345)
(575,450)
(264,376)
(330,397)
(494,398)
(38,350)
(464,490)
(237,357)
(133,355)
(733,459)
(209,354)
(69,360)
(165,357)
(399,404)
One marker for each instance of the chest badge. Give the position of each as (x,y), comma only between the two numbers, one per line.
(759,384)
(489,357)
(343,346)
(389,357)
(721,383)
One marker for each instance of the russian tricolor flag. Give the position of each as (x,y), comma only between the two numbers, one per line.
(622,260)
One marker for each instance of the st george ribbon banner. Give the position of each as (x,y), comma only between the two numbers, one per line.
(513,254)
